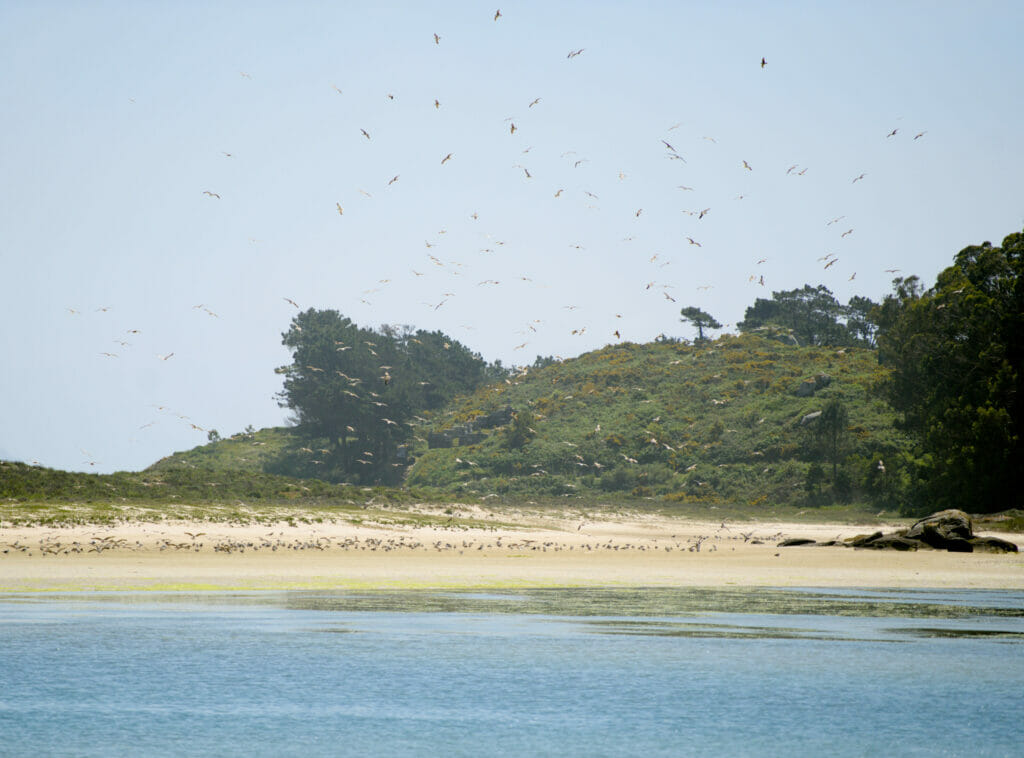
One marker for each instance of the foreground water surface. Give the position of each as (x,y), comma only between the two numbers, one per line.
(532,672)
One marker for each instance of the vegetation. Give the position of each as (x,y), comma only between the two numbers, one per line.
(354,391)
(719,422)
(913,404)
(700,319)
(814,317)
(955,360)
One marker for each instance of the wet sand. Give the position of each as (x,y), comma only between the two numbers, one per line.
(518,551)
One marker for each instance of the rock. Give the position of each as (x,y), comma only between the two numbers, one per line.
(959,546)
(862,540)
(806,388)
(809,418)
(893,542)
(796,541)
(993,545)
(945,530)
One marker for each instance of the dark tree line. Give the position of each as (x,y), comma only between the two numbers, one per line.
(354,393)
(814,317)
(955,355)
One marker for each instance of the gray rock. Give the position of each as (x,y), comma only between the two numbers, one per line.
(993,545)
(809,418)
(893,542)
(945,530)
(806,388)
(863,540)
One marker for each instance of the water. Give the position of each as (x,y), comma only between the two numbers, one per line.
(746,672)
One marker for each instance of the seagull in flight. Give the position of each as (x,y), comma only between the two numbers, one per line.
(211,194)
(289,300)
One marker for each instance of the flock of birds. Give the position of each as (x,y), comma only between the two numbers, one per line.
(666,145)
(57,545)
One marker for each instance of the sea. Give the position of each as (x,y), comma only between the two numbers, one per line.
(519,672)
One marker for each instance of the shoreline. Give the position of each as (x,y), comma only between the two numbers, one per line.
(522,551)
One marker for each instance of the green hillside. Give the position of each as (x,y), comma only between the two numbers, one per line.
(715,422)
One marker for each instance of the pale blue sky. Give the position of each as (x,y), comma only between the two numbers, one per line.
(116,117)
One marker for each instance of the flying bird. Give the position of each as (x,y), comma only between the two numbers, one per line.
(892,133)
(446,159)
(858,178)
(534,103)
(437,103)
(747,166)
(393,180)
(497,14)
(574,53)
(692,241)
(437,39)
(289,300)
(211,194)
(365,133)
(848,231)
(341,211)
(919,135)
(764,62)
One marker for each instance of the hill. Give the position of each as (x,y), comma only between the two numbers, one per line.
(728,421)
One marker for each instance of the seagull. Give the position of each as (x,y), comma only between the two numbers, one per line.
(393,180)
(574,53)
(747,166)
(692,241)
(446,159)
(919,135)
(211,194)
(533,103)
(437,103)
(858,178)
(764,62)
(437,39)
(497,14)
(365,133)
(341,211)
(164,357)
(289,300)
(892,133)
(848,231)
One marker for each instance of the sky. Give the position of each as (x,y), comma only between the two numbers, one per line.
(175,173)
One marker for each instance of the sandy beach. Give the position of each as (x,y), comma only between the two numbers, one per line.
(534,550)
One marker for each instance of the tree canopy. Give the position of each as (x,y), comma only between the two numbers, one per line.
(956,359)
(353,391)
(814,317)
(700,319)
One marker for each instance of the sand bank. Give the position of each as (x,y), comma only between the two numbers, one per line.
(515,552)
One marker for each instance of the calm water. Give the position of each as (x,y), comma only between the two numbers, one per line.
(540,672)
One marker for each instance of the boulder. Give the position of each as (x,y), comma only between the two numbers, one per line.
(806,388)
(946,530)
(809,418)
(893,542)
(796,541)
(863,540)
(993,545)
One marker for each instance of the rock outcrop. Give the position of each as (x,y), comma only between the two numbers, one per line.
(949,530)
